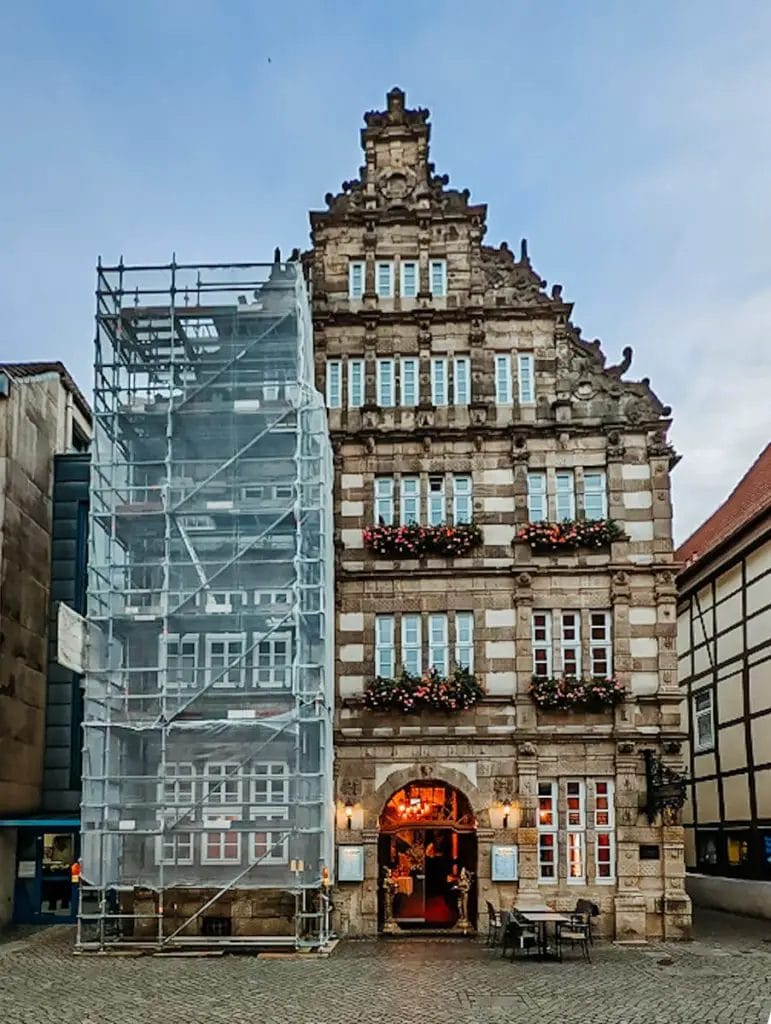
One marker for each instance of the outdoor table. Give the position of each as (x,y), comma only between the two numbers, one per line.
(542,918)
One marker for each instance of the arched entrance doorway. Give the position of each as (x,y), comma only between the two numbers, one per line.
(427,836)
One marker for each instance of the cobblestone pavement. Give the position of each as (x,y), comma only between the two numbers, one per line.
(724,977)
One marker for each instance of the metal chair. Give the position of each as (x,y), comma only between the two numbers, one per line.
(494,925)
(576,932)
(520,934)
(587,910)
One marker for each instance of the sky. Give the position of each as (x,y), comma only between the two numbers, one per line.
(629,143)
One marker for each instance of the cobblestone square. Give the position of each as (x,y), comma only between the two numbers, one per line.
(723,976)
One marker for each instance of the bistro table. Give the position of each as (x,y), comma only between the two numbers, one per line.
(542,918)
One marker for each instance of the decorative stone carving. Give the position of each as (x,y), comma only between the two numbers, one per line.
(527,750)
(625,747)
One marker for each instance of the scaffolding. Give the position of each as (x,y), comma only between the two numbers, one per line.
(207,813)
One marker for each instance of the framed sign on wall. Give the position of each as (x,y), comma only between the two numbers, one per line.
(350,863)
(504,864)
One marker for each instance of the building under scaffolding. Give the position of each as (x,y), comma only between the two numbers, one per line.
(207,774)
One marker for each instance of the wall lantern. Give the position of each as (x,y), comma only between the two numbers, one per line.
(348,812)
(506,812)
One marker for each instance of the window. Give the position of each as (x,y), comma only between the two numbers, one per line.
(410,503)
(334,384)
(600,651)
(502,380)
(462,505)
(270,845)
(384,500)
(273,662)
(223,783)
(547,832)
(526,379)
(703,721)
(409,381)
(462,381)
(270,784)
(576,831)
(536,497)
(565,499)
(384,646)
(384,280)
(224,845)
(436,500)
(437,643)
(355,383)
(412,656)
(570,643)
(439,381)
(178,786)
(181,660)
(438,270)
(542,644)
(225,660)
(604,835)
(410,282)
(385,382)
(174,847)
(464,640)
(737,849)
(355,279)
(595,495)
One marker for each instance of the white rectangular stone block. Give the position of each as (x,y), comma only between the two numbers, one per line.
(498,618)
(351,622)
(498,504)
(644,647)
(498,477)
(500,684)
(640,531)
(352,508)
(638,499)
(644,683)
(349,686)
(500,649)
(642,616)
(635,471)
(352,538)
(349,481)
(352,652)
(498,535)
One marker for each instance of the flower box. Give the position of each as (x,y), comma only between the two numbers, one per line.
(570,534)
(411,540)
(429,692)
(569,693)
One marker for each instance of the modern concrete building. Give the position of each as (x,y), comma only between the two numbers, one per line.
(504,573)
(42,416)
(724,648)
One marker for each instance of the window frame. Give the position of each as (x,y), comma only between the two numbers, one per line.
(436,500)
(413,363)
(464,648)
(575,828)
(379,265)
(606,644)
(535,496)
(526,374)
(544,644)
(215,785)
(356,365)
(548,829)
(413,649)
(385,501)
(180,640)
(703,746)
(441,265)
(461,495)
(267,813)
(385,648)
(406,497)
(381,364)
(605,829)
(439,388)
(600,492)
(208,820)
(272,638)
(334,366)
(438,619)
(461,363)
(352,292)
(503,392)
(223,681)
(570,644)
(272,782)
(403,264)
(564,496)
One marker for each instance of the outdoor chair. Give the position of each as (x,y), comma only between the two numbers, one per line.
(494,925)
(519,934)
(587,910)
(576,932)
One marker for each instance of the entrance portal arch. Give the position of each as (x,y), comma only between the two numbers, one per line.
(427,837)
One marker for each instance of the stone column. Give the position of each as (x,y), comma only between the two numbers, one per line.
(630,910)
(527,833)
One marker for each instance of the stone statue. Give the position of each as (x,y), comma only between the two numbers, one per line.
(388,886)
(463,885)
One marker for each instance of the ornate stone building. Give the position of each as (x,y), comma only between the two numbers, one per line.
(463,399)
